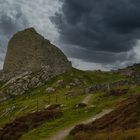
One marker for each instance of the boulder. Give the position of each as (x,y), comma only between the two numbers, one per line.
(81,105)
(50,90)
(77,81)
(60,81)
(68,87)
(72,84)
(54,106)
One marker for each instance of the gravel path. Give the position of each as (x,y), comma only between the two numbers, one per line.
(87,99)
(63,133)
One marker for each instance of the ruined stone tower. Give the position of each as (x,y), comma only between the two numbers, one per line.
(29,51)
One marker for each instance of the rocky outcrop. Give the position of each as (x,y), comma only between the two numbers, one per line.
(31,60)
(18,85)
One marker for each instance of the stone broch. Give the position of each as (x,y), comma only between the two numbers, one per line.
(29,51)
(31,60)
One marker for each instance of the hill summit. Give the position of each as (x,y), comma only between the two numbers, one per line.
(29,51)
(31,60)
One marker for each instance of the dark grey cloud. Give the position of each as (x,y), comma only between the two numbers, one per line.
(16,15)
(11,22)
(9,25)
(95,31)
(105,31)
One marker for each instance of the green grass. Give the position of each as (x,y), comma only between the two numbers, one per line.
(70,116)
(101,101)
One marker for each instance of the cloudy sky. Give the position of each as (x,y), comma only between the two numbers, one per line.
(94,34)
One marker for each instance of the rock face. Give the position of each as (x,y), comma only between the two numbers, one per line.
(31,60)
(29,51)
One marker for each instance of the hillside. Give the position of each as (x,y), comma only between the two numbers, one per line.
(69,90)
(122,123)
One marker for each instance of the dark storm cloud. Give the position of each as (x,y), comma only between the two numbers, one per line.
(104,30)
(12,19)
(11,23)
(89,55)
(17,15)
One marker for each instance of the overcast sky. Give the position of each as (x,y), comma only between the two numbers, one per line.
(94,34)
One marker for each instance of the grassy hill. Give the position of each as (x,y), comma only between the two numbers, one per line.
(70,89)
(121,124)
